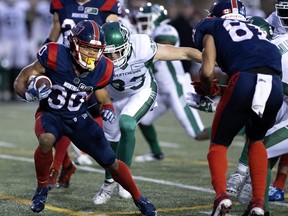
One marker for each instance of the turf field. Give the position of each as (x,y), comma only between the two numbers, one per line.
(178,186)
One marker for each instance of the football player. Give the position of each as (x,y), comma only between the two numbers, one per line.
(275,140)
(133,89)
(76,72)
(172,82)
(239,48)
(66,14)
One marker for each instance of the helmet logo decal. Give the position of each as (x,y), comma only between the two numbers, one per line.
(79,28)
(226,11)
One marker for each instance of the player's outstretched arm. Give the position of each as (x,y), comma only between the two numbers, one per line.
(208,64)
(171,53)
(20,83)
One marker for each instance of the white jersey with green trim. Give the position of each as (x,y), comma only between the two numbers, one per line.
(134,75)
(281,41)
(173,84)
(276,137)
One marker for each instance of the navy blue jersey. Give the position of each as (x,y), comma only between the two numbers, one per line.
(69,91)
(232,37)
(70,12)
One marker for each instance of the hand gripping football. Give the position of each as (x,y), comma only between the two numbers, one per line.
(39,87)
(40,82)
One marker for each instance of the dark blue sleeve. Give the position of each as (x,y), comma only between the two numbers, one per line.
(42,56)
(206,26)
(54,56)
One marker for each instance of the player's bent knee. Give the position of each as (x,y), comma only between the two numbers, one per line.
(46,142)
(127,123)
(113,167)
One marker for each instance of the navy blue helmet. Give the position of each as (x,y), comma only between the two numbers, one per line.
(228,9)
(86,34)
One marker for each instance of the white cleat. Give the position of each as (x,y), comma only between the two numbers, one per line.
(105,193)
(83,160)
(123,193)
(236,182)
(149,157)
(245,194)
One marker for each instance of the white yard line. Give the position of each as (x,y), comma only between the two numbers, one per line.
(6,144)
(169,145)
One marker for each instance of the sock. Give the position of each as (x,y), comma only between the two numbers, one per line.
(244,155)
(61,148)
(124,178)
(66,161)
(218,164)
(150,136)
(127,141)
(42,166)
(280,180)
(114,146)
(258,164)
(268,180)
(281,175)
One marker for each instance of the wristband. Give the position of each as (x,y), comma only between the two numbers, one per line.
(107,106)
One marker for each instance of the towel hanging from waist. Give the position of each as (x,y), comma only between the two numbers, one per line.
(262,91)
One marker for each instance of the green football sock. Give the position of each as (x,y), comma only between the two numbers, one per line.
(127,141)
(244,155)
(268,181)
(150,136)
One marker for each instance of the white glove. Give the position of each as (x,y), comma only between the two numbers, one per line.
(108,115)
(33,94)
(203,103)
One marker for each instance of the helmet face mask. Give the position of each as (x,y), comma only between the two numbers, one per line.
(118,46)
(228,9)
(149,17)
(281,7)
(87,43)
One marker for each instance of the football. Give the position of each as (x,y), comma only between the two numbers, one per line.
(37,82)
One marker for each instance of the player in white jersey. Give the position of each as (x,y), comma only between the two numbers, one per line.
(279,20)
(14,37)
(133,89)
(173,82)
